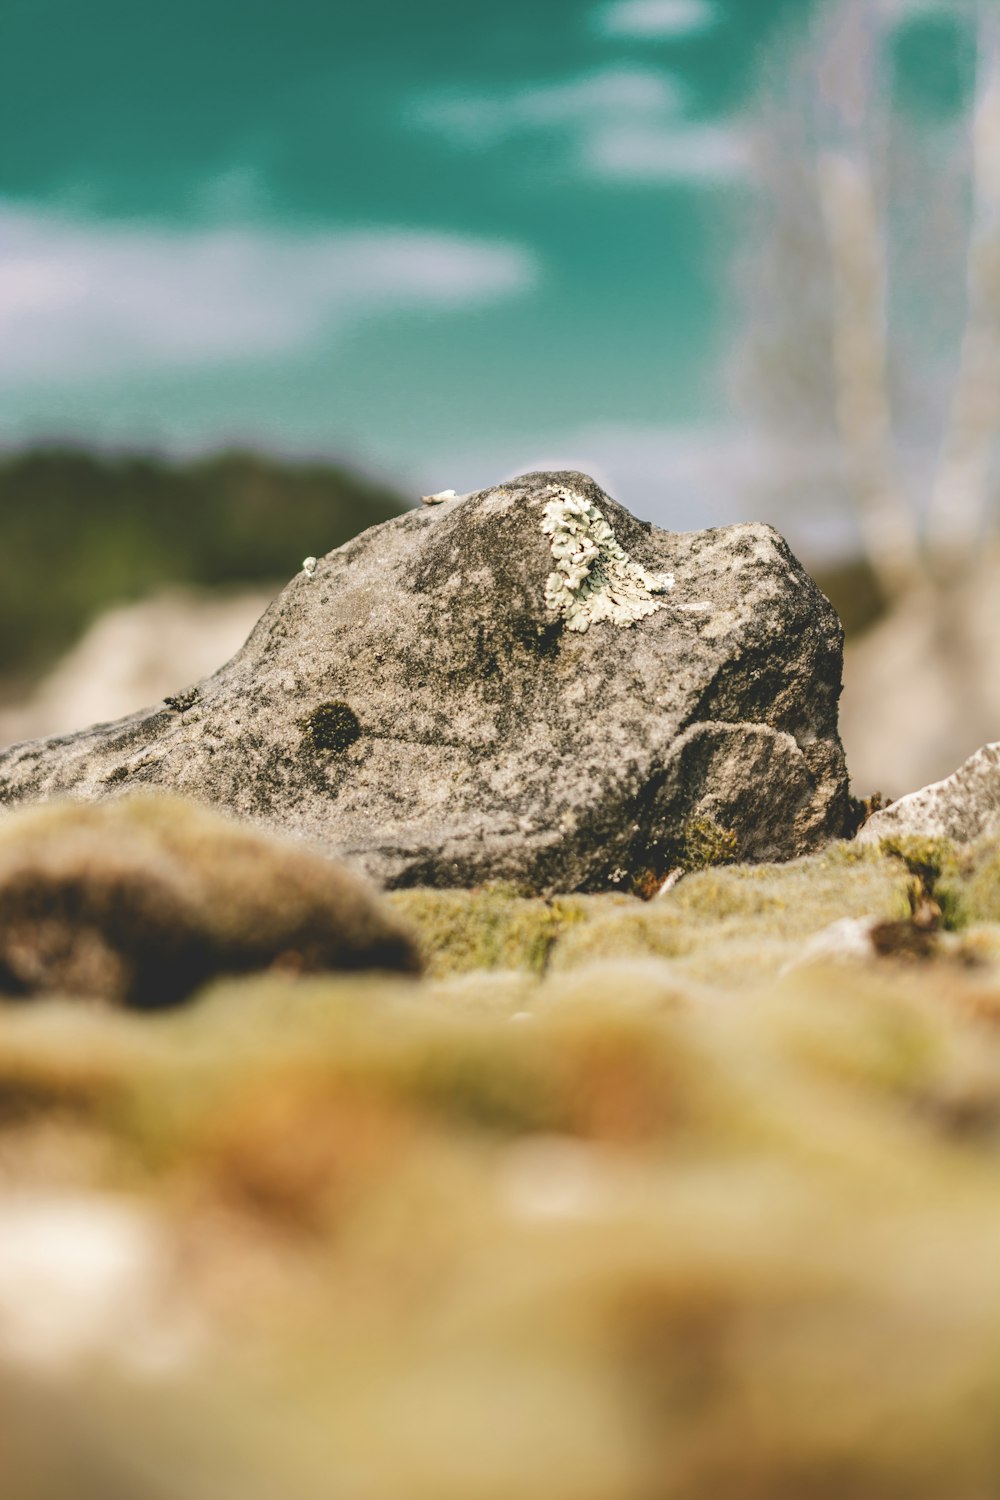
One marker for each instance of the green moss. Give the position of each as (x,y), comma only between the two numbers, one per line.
(794,899)
(490,928)
(331,726)
(731,924)
(928,858)
(938,870)
(646,1228)
(703,843)
(738,924)
(980,893)
(625,927)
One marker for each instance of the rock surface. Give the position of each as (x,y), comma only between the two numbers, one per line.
(964,806)
(418,703)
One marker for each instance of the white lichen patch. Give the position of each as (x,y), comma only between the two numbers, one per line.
(441,497)
(594,577)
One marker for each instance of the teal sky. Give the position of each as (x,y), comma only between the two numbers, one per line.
(443,238)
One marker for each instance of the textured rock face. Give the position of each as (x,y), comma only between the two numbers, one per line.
(422,703)
(964,806)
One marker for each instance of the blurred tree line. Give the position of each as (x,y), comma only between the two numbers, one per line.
(81,530)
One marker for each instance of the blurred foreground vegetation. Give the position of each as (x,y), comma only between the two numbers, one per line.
(82,530)
(621,1201)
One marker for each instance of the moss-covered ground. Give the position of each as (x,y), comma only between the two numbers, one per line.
(696,1197)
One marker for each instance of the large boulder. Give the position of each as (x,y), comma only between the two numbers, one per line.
(525,683)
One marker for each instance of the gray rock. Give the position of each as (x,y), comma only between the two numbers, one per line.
(458,695)
(963,807)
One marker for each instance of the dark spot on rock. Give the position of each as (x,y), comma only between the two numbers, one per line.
(331,726)
(181,702)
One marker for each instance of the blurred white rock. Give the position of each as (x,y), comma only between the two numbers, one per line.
(922,688)
(134,655)
(846,940)
(87,1277)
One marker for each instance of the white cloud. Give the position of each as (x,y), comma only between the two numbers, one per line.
(574,103)
(656,18)
(695,153)
(621,123)
(82,298)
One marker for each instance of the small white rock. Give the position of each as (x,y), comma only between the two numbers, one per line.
(84,1277)
(553,1177)
(847,939)
(670,880)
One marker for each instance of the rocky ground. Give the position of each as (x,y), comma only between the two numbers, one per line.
(680,1187)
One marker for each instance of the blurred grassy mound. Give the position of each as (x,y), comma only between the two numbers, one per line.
(140,900)
(82,530)
(624,1201)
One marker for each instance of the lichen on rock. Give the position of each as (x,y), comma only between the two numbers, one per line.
(594,578)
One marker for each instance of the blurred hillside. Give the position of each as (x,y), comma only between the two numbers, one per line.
(82,530)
